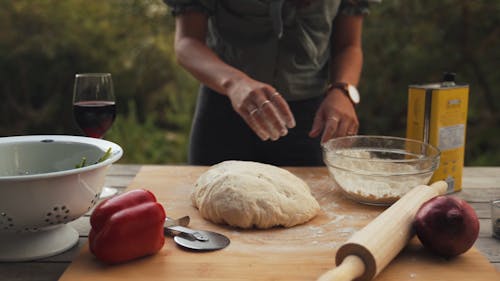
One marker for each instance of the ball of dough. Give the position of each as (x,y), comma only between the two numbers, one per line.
(249,194)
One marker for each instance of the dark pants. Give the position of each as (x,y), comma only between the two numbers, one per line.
(218,133)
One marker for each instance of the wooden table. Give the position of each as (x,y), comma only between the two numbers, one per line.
(481,185)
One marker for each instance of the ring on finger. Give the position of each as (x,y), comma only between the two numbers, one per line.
(333,118)
(264,103)
(276,94)
(253,111)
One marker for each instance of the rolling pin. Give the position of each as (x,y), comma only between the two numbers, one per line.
(370,249)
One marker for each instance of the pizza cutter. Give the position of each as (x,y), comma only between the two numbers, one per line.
(199,240)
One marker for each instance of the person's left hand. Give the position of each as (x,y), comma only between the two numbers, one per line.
(336,117)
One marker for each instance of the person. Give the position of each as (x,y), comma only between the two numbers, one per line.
(277,77)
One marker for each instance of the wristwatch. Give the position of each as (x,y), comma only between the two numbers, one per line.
(349,90)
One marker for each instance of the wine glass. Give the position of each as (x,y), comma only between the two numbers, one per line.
(94,108)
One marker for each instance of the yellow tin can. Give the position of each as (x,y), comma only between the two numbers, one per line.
(437,114)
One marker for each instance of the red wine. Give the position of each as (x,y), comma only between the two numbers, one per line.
(94,117)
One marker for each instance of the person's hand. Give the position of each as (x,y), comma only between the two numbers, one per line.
(264,110)
(336,117)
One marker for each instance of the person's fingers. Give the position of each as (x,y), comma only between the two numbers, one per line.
(317,126)
(251,114)
(249,117)
(353,130)
(283,109)
(352,126)
(263,121)
(269,113)
(342,127)
(270,117)
(331,126)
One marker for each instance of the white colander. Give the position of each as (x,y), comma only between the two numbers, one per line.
(41,190)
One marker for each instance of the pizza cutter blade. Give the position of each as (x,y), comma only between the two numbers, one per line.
(200,240)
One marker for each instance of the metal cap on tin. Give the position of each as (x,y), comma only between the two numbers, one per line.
(449,76)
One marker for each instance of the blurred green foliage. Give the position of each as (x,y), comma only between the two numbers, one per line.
(44,43)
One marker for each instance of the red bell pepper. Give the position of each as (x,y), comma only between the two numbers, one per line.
(126,227)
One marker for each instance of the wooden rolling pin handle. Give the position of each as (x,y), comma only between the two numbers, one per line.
(351,267)
(370,249)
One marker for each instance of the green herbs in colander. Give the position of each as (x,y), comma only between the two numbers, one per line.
(83,162)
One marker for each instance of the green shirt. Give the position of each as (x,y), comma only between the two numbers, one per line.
(275,41)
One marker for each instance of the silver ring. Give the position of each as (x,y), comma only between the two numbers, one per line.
(333,118)
(275,94)
(253,111)
(264,103)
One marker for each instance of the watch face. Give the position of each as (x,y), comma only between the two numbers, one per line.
(353,94)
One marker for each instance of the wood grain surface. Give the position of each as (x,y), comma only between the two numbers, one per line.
(300,253)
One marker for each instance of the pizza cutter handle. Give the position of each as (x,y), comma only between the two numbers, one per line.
(192,233)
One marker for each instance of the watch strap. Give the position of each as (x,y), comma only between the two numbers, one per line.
(338,85)
(346,88)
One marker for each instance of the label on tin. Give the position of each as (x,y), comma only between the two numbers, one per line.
(451,137)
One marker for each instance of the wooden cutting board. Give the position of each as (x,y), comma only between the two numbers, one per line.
(300,253)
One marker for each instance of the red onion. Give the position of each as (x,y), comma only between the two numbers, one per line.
(447,226)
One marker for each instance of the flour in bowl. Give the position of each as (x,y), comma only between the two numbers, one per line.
(369,179)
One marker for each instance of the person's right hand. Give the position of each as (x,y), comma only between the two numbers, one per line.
(264,110)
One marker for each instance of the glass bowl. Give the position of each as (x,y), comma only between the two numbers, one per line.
(379,170)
